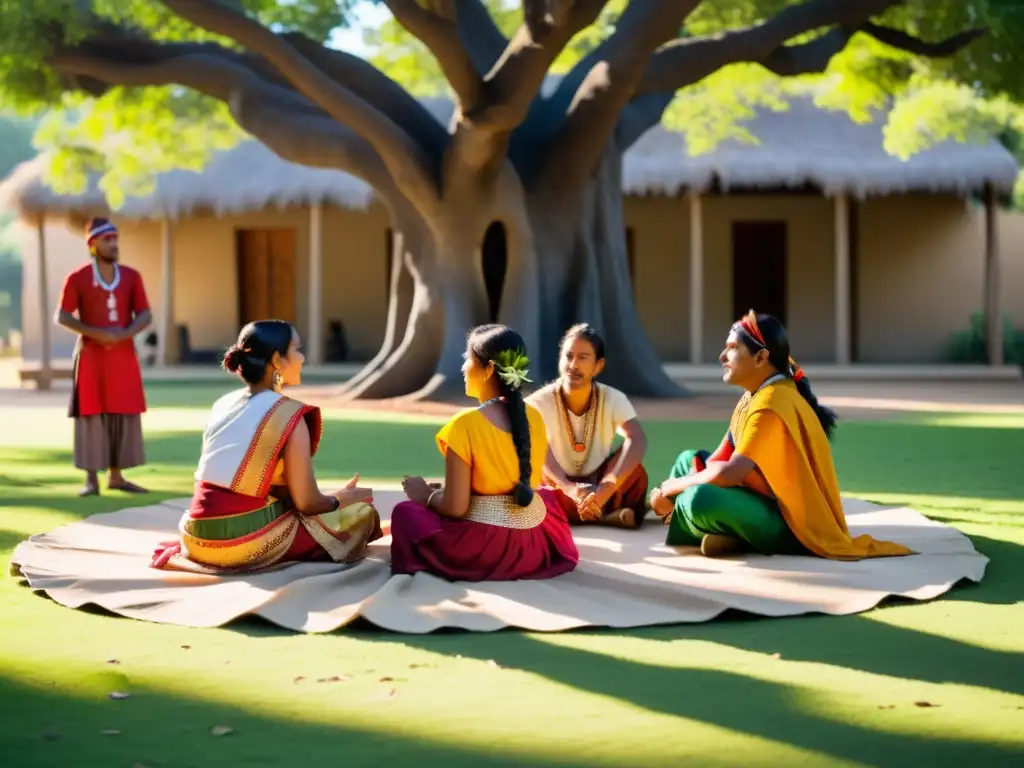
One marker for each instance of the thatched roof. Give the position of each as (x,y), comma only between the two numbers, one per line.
(246,178)
(799,147)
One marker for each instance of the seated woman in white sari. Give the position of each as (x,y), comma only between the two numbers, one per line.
(256,503)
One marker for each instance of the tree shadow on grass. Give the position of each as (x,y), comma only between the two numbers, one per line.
(1003,584)
(775,711)
(46,727)
(862,644)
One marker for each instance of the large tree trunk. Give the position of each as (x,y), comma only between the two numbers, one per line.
(606,292)
(566,263)
(585,278)
(439,293)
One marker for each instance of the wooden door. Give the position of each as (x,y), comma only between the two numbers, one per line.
(266,274)
(759,250)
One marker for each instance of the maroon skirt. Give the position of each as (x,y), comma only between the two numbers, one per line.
(468,550)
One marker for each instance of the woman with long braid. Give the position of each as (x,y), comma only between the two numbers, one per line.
(771,485)
(489,521)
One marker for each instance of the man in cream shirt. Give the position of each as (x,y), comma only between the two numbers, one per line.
(582,419)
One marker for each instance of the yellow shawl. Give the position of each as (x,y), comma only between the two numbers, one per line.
(778,431)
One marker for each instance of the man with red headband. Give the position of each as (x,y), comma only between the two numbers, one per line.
(105,303)
(771,485)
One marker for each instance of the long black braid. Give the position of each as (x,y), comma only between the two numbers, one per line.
(486,343)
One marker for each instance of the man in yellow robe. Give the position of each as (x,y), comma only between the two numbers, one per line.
(771,485)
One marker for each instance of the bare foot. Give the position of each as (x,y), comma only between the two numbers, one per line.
(716,545)
(662,506)
(620,518)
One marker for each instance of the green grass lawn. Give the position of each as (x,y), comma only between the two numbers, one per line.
(737,691)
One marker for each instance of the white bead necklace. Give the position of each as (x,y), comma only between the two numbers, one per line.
(108,287)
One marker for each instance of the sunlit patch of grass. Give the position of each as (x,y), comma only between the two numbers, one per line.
(710,694)
(979,420)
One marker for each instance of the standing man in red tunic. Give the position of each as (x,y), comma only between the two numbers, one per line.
(108,401)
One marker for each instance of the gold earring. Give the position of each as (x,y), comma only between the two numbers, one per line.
(278,380)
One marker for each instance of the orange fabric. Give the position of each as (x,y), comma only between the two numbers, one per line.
(780,433)
(489,451)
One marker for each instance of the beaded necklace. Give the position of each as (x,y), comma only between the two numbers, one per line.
(110,287)
(580,448)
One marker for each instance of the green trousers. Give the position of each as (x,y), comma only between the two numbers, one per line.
(736,512)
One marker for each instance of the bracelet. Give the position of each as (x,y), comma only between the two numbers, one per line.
(430,498)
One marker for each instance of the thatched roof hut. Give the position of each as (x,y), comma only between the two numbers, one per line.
(803,146)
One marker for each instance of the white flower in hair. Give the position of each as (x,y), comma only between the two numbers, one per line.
(512,367)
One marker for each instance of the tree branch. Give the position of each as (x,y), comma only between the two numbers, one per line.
(802,59)
(608,87)
(370,84)
(481,38)
(481,141)
(438,29)
(516,78)
(940,50)
(805,58)
(290,125)
(687,61)
(814,56)
(404,158)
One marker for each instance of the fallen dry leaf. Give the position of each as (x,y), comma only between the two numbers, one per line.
(887,706)
(113,661)
(334,679)
(118,695)
(186,647)
(111,732)
(222,730)
(925,704)
(386,679)
(298,679)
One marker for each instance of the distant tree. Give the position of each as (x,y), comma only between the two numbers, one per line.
(546,166)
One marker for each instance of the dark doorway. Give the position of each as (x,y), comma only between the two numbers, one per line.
(494,255)
(759,268)
(266,274)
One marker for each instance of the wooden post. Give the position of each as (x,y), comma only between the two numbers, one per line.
(45,313)
(696,279)
(315,347)
(993,297)
(842,278)
(166,321)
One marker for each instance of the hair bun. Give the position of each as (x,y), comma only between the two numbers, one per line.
(233,359)
(522,494)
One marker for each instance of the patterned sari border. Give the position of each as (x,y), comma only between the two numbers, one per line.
(257,468)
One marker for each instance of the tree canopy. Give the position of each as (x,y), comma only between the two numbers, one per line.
(131,133)
(144,86)
(972,97)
